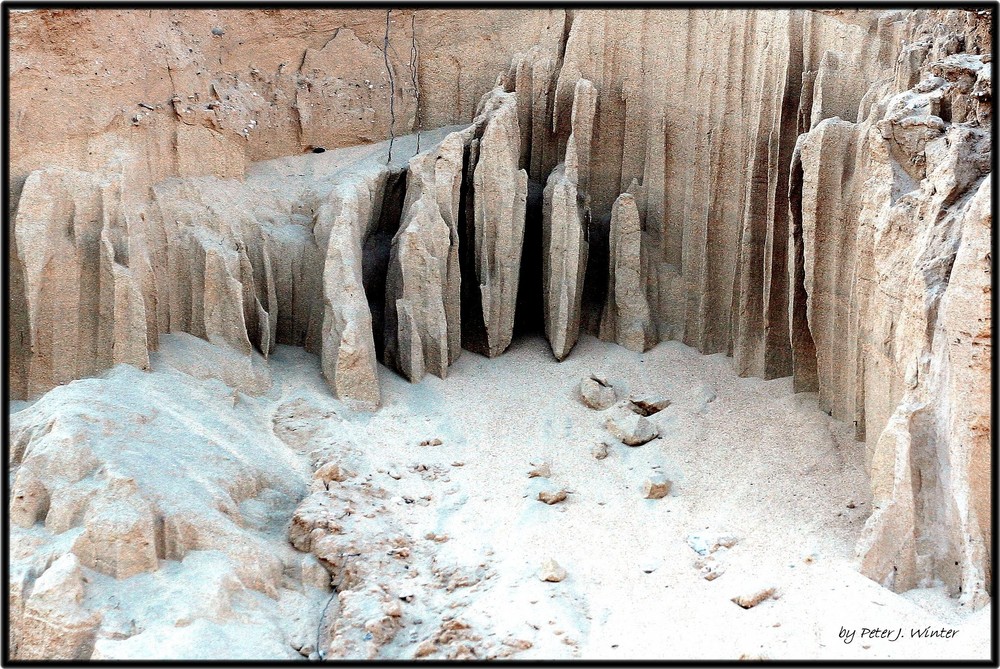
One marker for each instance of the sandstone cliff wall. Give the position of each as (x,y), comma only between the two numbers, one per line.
(807,191)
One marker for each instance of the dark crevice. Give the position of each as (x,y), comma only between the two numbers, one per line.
(375,254)
(529,315)
(473,327)
(595,283)
(804,373)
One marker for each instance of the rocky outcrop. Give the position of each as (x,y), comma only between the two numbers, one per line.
(893,212)
(500,193)
(84,309)
(829,230)
(125,542)
(55,625)
(626,319)
(565,221)
(348,346)
(564,261)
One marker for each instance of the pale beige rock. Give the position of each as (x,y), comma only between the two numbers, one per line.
(541,470)
(565,218)
(564,261)
(752,599)
(500,192)
(597,393)
(656,486)
(29,498)
(348,348)
(422,250)
(631,428)
(626,318)
(888,374)
(551,571)
(551,497)
(55,625)
(120,536)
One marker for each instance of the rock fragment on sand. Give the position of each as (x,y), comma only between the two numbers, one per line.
(597,393)
(649,564)
(431,442)
(709,567)
(541,470)
(551,497)
(656,486)
(600,451)
(425,648)
(647,406)
(705,543)
(755,597)
(330,472)
(631,428)
(551,571)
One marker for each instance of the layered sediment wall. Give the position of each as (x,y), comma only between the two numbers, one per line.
(807,191)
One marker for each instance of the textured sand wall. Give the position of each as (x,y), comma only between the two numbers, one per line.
(805,191)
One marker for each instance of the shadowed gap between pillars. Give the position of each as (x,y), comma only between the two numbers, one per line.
(529,315)
(375,254)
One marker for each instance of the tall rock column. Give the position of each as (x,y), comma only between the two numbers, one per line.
(423,286)
(500,192)
(347,351)
(565,214)
(626,319)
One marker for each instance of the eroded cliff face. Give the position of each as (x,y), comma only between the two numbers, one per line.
(806,191)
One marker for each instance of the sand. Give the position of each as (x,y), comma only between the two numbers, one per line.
(746,458)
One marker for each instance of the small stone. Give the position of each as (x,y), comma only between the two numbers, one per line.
(540,470)
(425,648)
(331,471)
(657,486)
(431,442)
(631,428)
(649,564)
(394,474)
(597,393)
(647,407)
(703,544)
(600,451)
(551,571)
(751,600)
(710,568)
(551,497)
(218,32)
(851,504)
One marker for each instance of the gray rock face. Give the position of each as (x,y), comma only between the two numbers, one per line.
(626,319)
